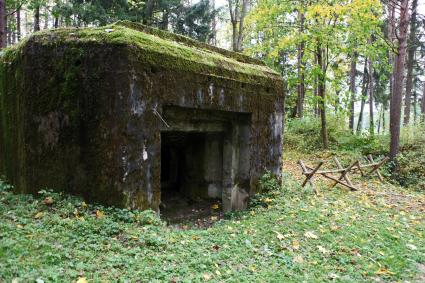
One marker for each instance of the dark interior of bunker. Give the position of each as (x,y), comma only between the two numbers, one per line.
(200,153)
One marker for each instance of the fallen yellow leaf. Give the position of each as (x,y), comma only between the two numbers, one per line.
(295,245)
(48,201)
(298,259)
(310,235)
(38,215)
(215,206)
(206,276)
(322,250)
(279,236)
(411,247)
(383,271)
(99,214)
(82,280)
(335,227)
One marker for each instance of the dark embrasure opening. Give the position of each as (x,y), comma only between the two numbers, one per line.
(191,174)
(205,155)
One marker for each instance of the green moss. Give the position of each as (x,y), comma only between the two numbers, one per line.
(160,48)
(190,42)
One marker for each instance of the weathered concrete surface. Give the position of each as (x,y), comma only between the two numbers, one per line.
(82,111)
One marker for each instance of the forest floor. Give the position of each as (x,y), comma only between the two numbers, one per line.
(376,234)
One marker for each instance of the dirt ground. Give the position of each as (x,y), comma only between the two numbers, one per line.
(184,213)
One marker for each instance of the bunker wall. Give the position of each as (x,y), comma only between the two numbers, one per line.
(87,118)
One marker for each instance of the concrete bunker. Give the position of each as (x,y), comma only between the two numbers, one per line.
(128,115)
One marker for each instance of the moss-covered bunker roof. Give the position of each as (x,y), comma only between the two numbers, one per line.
(164,49)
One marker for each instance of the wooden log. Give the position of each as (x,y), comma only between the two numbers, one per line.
(344,174)
(377,166)
(359,167)
(305,172)
(332,171)
(339,182)
(335,179)
(309,174)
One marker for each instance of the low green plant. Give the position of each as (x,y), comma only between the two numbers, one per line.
(296,237)
(270,188)
(410,168)
(304,135)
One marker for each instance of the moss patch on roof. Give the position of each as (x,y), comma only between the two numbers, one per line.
(190,42)
(162,48)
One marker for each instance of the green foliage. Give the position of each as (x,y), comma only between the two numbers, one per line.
(304,135)
(4,186)
(336,29)
(296,237)
(410,168)
(195,21)
(410,171)
(190,19)
(269,189)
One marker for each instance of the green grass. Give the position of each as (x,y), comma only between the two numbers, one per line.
(362,236)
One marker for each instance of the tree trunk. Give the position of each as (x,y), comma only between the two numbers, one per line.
(46,19)
(243,14)
(56,24)
(316,90)
(37,18)
(165,16)
(9,36)
(235,36)
(234,15)
(353,70)
(14,37)
(379,120)
(364,93)
(398,77)
(147,19)
(415,105)
(383,119)
(322,97)
(423,104)
(390,35)
(301,67)
(410,62)
(3,33)
(18,24)
(237,18)
(371,118)
(213,38)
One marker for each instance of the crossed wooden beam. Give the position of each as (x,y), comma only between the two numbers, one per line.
(365,169)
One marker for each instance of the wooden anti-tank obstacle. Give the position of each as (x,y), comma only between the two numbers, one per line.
(365,169)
